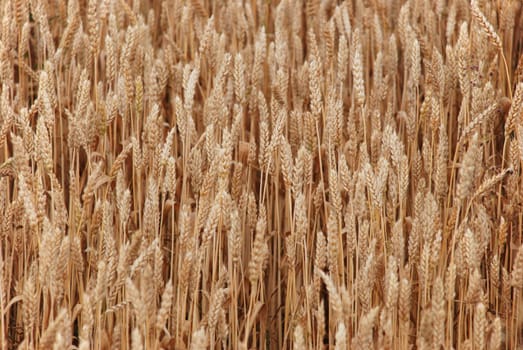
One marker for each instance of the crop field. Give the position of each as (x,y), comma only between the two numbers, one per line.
(257,174)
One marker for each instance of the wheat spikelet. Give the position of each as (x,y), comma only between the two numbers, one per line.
(128,11)
(165,306)
(334,298)
(441,163)
(29,305)
(474,291)
(357,68)
(490,182)
(505,287)
(515,110)
(438,311)
(135,298)
(391,285)
(187,266)
(315,87)
(366,280)
(483,116)
(259,252)
(333,245)
(404,303)
(350,224)
(49,336)
(87,315)
(217,299)
(496,334)
(467,170)
(363,338)
(118,162)
(480,326)
(485,25)
(517,269)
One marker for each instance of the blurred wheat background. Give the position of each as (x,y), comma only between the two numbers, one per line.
(256,174)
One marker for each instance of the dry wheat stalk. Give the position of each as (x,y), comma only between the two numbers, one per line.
(292,174)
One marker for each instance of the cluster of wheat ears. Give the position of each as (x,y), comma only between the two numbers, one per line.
(259,174)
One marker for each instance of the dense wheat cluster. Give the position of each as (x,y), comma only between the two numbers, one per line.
(257,174)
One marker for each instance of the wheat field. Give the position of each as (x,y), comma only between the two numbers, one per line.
(257,174)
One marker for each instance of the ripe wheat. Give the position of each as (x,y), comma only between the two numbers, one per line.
(248,174)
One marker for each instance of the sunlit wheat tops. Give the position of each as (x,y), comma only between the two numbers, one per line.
(250,174)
